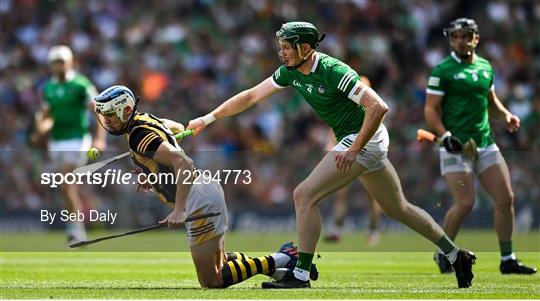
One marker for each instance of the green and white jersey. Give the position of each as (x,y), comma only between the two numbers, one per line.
(331,89)
(68,103)
(465,89)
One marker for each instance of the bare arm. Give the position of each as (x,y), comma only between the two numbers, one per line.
(499,112)
(376,108)
(236,104)
(245,99)
(496,109)
(168,155)
(43,120)
(433,112)
(100,136)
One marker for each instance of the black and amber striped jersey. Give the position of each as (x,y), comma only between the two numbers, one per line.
(145,133)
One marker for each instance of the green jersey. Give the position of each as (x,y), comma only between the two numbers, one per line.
(331,89)
(68,101)
(465,89)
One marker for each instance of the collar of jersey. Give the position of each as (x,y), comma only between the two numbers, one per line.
(70,75)
(455,57)
(315,63)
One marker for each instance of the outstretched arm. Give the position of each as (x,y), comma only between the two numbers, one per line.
(234,105)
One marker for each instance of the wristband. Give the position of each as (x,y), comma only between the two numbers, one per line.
(208,118)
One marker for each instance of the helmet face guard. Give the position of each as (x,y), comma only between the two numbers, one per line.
(112,102)
(464,25)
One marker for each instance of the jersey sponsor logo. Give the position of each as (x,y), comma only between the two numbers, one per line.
(296,83)
(345,80)
(434,81)
(321,89)
(460,75)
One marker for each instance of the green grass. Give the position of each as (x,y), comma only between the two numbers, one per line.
(343,275)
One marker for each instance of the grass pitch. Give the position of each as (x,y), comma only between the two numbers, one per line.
(343,275)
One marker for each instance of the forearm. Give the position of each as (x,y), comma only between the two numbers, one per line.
(434,121)
(100,134)
(497,110)
(44,122)
(182,189)
(234,105)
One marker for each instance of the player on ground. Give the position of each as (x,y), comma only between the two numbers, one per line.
(339,210)
(67,97)
(355,112)
(155,150)
(460,95)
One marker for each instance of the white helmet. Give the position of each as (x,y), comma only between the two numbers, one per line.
(113,100)
(61,53)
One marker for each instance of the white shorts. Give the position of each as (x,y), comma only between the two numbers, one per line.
(206,198)
(487,156)
(69,151)
(375,153)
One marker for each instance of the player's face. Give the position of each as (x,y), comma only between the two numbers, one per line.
(110,121)
(59,67)
(463,42)
(286,53)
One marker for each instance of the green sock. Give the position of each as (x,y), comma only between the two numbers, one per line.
(304,261)
(506,248)
(445,244)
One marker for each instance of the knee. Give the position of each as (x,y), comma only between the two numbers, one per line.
(465,204)
(506,201)
(211,282)
(301,196)
(395,212)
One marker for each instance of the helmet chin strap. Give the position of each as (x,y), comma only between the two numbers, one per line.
(307,56)
(303,58)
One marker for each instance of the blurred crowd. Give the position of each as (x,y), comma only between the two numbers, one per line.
(185,57)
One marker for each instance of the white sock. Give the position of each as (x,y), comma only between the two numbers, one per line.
(280,259)
(301,274)
(509,257)
(452,256)
(76,229)
(279,273)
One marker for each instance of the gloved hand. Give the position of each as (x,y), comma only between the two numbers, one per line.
(452,144)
